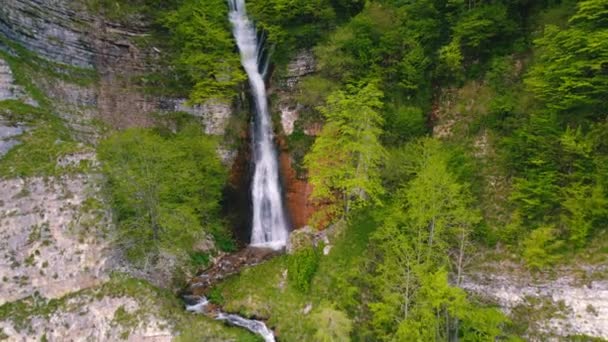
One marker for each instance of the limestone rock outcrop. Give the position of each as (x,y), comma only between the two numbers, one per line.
(52,236)
(563,305)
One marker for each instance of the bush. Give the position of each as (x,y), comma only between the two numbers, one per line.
(540,247)
(302,267)
(165,191)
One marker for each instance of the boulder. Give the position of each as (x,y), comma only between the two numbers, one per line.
(300,239)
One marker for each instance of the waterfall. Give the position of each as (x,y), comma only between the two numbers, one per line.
(269,223)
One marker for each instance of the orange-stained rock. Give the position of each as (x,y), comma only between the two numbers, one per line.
(297,193)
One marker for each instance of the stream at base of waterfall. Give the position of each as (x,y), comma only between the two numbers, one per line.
(200,304)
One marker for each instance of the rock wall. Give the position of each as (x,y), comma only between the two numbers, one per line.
(552,308)
(52,236)
(90,320)
(54,29)
(297,189)
(62,31)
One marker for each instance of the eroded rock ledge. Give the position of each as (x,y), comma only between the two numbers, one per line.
(560,307)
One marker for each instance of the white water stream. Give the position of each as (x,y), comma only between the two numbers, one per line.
(258,327)
(269,223)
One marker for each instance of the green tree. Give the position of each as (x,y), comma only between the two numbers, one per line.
(165,190)
(569,73)
(426,230)
(540,247)
(345,159)
(204,47)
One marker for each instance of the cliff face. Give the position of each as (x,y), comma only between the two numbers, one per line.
(297,189)
(62,67)
(63,32)
(55,29)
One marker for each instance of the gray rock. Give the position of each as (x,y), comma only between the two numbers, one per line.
(214,114)
(300,239)
(303,64)
(9,90)
(87,318)
(585,306)
(7,135)
(289,115)
(307,309)
(48,243)
(51,28)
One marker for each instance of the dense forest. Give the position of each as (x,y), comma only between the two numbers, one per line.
(454,132)
(450,127)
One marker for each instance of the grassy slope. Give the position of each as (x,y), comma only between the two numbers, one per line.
(263,291)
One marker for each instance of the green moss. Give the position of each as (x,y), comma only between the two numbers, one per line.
(25,63)
(47,139)
(38,154)
(126,320)
(263,292)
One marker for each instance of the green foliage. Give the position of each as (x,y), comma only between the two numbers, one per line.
(124,11)
(204,47)
(402,124)
(344,160)
(540,247)
(301,267)
(47,139)
(481,25)
(292,24)
(314,90)
(383,42)
(165,190)
(570,70)
(332,325)
(39,152)
(299,143)
(199,260)
(429,219)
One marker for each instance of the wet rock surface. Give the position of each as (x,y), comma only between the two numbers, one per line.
(296,187)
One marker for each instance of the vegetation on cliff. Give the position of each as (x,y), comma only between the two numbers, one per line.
(165,189)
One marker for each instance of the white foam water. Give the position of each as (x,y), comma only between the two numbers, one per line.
(269,224)
(255,326)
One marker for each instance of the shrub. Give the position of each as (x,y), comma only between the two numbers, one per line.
(302,267)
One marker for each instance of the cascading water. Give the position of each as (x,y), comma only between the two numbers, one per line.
(269,223)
